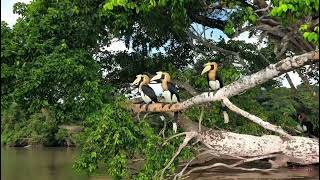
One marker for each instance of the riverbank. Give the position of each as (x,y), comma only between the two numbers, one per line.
(68,139)
(44,163)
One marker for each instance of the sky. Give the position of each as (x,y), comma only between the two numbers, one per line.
(6,11)
(8,16)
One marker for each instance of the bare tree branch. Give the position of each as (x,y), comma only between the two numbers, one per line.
(189,136)
(227,166)
(211,46)
(206,21)
(255,119)
(263,9)
(186,86)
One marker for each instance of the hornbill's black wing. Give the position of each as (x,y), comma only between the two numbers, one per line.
(173,90)
(310,129)
(208,79)
(147,90)
(218,77)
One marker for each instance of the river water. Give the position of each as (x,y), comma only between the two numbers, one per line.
(56,164)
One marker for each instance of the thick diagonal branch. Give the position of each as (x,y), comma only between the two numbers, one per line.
(239,86)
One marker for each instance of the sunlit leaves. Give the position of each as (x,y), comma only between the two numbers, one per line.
(291,11)
(311,36)
(229,29)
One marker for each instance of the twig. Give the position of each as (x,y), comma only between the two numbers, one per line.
(176,135)
(184,168)
(254,159)
(144,117)
(227,166)
(135,160)
(207,44)
(263,9)
(200,118)
(189,136)
(180,174)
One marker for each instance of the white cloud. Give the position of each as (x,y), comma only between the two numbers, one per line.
(116,45)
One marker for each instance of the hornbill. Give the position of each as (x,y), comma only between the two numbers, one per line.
(147,93)
(306,126)
(170,93)
(215,83)
(301,116)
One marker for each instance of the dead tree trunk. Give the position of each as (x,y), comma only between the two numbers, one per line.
(300,150)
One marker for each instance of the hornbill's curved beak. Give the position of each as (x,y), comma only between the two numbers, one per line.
(136,81)
(156,77)
(206,68)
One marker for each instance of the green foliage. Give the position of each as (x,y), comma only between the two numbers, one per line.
(294,8)
(229,29)
(17,129)
(290,11)
(52,64)
(47,61)
(112,138)
(282,106)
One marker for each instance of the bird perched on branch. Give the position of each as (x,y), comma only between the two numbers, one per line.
(147,93)
(215,82)
(306,125)
(170,93)
(303,116)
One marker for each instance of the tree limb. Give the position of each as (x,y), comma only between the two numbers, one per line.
(227,166)
(241,85)
(213,23)
(255,119)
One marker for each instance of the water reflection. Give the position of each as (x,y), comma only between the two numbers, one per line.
(39,164)
(56,164)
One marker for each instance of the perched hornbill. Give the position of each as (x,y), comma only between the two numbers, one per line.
(306,126)
(302,116)
(147,93)
(215,83)
(170,93)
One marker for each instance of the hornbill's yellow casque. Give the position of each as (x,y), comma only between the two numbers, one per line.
(214,83)
(170,93)
(147,93)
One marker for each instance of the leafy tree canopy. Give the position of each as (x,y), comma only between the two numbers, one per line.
(55,70)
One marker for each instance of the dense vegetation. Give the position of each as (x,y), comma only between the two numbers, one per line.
(54,64)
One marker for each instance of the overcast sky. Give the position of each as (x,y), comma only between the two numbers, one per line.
(8,16)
